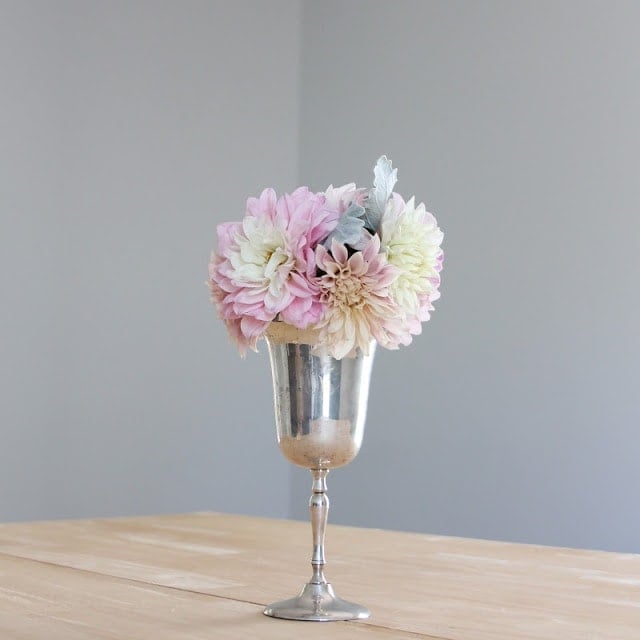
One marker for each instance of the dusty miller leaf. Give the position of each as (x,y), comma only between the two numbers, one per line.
(349,228)
(385,178)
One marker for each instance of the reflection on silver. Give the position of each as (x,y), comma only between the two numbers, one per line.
(320,408)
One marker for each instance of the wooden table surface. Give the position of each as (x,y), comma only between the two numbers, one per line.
(207,576)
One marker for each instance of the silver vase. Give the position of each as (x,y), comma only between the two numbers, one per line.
(320,408)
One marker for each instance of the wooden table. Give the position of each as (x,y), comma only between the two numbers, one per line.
(207,576)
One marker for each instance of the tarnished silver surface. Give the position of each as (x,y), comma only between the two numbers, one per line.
(317,603)
(320,403)
(320,408)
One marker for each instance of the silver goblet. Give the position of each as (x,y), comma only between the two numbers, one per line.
(320,408)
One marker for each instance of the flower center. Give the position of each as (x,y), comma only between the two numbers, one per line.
(274,258)
(347,291)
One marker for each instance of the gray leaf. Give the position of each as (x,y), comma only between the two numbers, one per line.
(372,218)
(354,211)
(385,178)
(349,228)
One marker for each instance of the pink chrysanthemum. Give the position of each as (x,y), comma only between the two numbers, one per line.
(340,198)
(355,291)
(265,265)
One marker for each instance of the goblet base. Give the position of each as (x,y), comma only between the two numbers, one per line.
(317,602)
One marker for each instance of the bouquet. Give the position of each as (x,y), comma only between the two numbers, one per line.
(354,264)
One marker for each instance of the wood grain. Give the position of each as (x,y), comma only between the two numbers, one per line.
(42,601)
(432,586)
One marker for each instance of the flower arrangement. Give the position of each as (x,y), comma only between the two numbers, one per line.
(354,264)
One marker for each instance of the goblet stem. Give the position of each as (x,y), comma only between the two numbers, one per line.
(319,510)
(317,600)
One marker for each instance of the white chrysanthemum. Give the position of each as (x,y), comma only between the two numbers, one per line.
(265,266)
(263,261)
(411,239)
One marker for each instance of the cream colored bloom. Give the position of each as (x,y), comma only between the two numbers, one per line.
(355,292)
(411,239)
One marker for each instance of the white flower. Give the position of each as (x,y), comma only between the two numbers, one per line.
(411,238)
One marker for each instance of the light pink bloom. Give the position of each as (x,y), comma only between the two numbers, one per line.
(355,291)
(339,198)
(265,265)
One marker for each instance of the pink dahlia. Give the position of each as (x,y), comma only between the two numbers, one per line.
(265,265)
(355,291)
(340,198)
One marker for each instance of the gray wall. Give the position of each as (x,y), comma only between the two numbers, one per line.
(129,130)
(516,414)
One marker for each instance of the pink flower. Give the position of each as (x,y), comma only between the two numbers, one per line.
(340,198)
(359,309)
(265,265)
